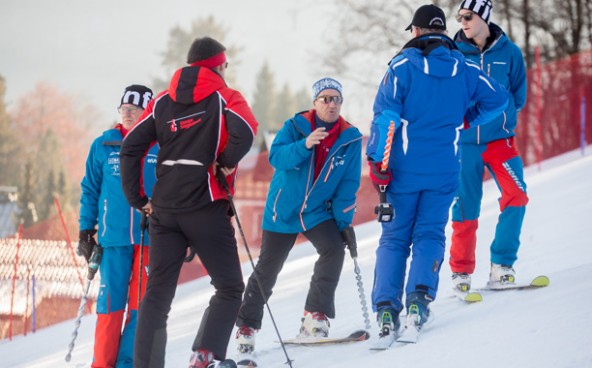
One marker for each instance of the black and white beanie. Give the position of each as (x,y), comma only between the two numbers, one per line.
(482,8)
(137,95)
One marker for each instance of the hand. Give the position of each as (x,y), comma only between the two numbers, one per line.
(315,137)
(225,170)
(147,209)
(379,178)
(86,243)
(349,239)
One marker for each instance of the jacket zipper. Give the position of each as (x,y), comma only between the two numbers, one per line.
(329,171)
(277,197)
(315,182)
(104,217)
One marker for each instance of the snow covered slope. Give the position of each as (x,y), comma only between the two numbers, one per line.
(551,327)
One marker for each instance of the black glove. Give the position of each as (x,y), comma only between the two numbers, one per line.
(349,239)
(86,243)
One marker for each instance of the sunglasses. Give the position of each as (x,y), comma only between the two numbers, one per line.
(466,16)
(128,109)
(328,99)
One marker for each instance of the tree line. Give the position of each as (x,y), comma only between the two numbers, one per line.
(43,141)
(373,31)
(271,104)
(45,136)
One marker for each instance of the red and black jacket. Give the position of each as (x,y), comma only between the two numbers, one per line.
(196,122)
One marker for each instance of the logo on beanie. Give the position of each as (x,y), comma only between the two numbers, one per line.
(136,95)
(482,8)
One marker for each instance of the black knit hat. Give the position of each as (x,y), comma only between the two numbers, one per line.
(428,17)
(206,51)
(137,95)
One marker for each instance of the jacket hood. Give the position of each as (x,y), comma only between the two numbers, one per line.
(192,84)
(433,54)
(496,39)
(113,134)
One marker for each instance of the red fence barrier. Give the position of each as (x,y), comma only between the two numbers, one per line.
(555,120)
(560,121)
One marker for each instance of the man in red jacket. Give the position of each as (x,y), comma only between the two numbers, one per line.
(201,126)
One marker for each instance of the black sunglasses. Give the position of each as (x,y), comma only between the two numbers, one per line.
(328,99)
(466,16)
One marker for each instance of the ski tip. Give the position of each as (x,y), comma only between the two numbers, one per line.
(540,281)
(468,297)
(473,297)
(360,335)
(246,363)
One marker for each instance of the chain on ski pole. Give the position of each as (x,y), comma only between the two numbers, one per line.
(349,239)
(78,321)
(362,295)
(93,266)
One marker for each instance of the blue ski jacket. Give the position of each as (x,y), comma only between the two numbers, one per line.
(102,201)
(425,93)
(501,60)
(296,202)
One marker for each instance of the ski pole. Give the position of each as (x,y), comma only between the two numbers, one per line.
(93,266)
(384,210)
(222,180)
(350,241)
(143,225)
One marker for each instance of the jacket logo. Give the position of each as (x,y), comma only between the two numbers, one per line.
(113,163)
(188,123)
(151,158)
(173,125)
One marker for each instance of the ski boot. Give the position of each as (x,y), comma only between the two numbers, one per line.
(502,274)
(314,324)
(461,281)
(202,359)
(245,339)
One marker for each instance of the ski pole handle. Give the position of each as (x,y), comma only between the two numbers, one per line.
(349,239)
(143,222)
(221,178)
(94,261)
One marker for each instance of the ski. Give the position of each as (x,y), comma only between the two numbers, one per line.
(410,333)
(359,335)
(536,283)
(384,343)
(467,296)
(246,363)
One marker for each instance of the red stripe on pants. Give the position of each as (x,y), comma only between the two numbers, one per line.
(107,335)
(464,242)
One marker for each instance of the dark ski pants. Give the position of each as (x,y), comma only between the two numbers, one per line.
(209,231)
(275,248)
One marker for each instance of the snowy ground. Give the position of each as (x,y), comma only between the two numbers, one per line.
(551,327)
